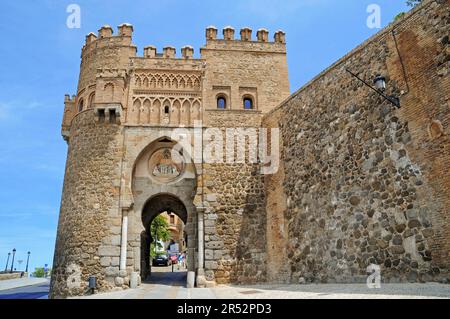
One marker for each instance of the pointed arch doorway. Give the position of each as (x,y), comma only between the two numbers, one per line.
(160,185)
(159,204)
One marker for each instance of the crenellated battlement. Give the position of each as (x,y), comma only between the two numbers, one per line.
(262,35)
(169,52)
(164,87)
(106,36)
(69,99)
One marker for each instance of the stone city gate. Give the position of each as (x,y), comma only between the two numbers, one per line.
(373,191)
(117,127)
(161,185)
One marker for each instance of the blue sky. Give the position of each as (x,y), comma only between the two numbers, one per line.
(39,63)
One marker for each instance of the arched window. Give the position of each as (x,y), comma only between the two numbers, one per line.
(248,103)
(166,109)
(221,102)
(80,105)
(91,100)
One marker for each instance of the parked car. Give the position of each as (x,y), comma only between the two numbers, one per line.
(161,260)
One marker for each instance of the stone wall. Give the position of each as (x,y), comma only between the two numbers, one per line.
(89,221)
(14,275)
(235,219)
(367,183)
(234,223)
(276,228)
(232,118)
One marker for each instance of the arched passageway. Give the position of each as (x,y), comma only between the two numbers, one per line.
(159,204)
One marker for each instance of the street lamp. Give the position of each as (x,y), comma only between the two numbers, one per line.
(12,262)
(28,259)
(7,262)
(380,86)
(380,82)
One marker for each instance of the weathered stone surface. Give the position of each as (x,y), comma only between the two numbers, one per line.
(209,254)
(119,281)
(354,200)
(356,178)
(359,181)
(109,251)
(211,265)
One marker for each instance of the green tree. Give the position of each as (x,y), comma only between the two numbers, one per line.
(39,272)
(160,231)
(399,16)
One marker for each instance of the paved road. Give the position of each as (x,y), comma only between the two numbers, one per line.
(166,285)
(39,291)
(165,276)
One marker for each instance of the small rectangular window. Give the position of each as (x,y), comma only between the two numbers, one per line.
(112,116)
(101,115)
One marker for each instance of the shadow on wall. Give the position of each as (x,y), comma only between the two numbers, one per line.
(251,245)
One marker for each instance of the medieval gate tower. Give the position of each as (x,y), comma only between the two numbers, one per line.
(119,173)
(360,181)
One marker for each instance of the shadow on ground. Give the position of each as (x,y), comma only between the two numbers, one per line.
(31,292)
(428,290)
(165,276)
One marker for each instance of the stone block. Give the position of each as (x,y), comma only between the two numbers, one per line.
(209,254)
(105,261)
(111,271)
(214,245)
(115,261)
(210,230)
(218,254)
(134,280)
(211,265)
(115,240)
(116,230)
(210,223)
(119,281)
(104,251)
(209,275)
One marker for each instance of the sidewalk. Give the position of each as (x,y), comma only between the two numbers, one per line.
(21,282)
(322,291)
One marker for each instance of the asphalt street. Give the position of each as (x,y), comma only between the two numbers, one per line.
(39,291)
